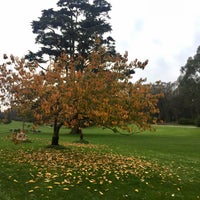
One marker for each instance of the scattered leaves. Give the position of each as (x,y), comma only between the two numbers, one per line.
(65,169)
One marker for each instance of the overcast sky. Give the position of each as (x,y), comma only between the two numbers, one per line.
(166,32)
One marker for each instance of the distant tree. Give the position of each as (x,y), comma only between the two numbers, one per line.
(101,93)
(72,28)
(169,103)
(189,87)
(5,116)
(181,101)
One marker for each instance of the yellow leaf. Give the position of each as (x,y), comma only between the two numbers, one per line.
(48,174)
(101,193)
(65,189)
(136,190)
(49,187)
(30,181)
(92,181)
(31,191)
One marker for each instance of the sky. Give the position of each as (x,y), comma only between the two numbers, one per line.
(166,32)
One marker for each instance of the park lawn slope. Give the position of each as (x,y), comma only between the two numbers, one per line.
(158,165)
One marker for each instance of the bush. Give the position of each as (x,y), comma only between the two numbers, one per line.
(197,121)
(6,121)
(186,121)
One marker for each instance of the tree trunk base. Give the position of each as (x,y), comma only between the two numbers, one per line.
(54,140)
(75,130)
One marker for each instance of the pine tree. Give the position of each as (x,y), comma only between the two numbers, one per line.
(72,28)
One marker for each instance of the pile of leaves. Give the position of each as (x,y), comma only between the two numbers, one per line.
(19,137)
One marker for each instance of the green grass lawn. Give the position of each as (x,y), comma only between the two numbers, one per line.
(164,164)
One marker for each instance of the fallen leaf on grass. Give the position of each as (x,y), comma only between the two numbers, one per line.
(30,181)
(57,183)
(136,190)
(101,193)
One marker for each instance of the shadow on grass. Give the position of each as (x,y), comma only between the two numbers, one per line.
(81,142)
(57,147)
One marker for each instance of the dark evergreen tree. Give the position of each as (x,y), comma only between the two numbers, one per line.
(72,28)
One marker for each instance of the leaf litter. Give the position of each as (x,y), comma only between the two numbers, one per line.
(68,168)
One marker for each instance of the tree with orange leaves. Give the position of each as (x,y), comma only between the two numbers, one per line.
(102,93)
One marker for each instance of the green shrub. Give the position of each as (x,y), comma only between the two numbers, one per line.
(197,121)
(186,121)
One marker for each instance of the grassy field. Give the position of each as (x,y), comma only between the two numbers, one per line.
(145,166)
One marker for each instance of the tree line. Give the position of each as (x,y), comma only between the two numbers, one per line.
(181,102)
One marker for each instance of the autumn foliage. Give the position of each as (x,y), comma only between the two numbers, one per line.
(102,93)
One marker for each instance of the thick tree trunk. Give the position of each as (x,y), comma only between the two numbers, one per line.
(81,134)
(56,129)
(77,130)
(55,139)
